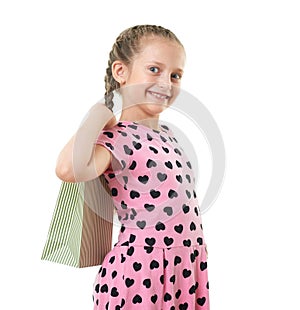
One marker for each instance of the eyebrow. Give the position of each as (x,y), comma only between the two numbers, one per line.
(161,64)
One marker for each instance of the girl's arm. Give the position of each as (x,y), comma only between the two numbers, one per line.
(81,159)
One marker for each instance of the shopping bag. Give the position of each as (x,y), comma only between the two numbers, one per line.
(80,233)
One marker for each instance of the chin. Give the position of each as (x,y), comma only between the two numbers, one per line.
(154,108)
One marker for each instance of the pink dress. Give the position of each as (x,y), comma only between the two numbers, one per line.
(159,261)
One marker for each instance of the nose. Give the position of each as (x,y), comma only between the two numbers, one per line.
(165,82)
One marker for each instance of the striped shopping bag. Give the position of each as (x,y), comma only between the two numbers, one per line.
(80,233)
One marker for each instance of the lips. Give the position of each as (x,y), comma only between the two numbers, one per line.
(159,96)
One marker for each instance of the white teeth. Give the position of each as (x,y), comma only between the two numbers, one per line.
(159,95)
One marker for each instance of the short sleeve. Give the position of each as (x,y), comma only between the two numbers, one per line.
(112,139)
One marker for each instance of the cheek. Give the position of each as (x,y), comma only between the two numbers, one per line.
(134,94)
(175,93)
(138,76)
(144,78)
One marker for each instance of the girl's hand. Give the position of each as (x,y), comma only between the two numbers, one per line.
(112,122)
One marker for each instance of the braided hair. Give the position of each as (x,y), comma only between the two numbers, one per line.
(127,45)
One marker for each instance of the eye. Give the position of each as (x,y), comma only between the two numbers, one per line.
(154,69)
(176,76)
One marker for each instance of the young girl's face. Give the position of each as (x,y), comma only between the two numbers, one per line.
(154,76)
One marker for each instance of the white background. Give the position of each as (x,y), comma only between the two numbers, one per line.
(243,65)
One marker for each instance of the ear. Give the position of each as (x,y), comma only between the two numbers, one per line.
(119,71)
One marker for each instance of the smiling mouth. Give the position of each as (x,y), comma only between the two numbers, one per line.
(159,95)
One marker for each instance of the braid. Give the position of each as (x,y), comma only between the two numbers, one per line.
(127,45)
(110,85)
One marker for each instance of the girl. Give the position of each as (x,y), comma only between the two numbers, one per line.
(159,261)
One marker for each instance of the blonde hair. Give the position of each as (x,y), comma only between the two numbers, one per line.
(127,45)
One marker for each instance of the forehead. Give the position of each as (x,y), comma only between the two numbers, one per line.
(162,50)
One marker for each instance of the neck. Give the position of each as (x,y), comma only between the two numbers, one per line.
(141,118)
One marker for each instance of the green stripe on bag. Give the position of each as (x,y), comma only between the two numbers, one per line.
(62,245)
(80,232)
